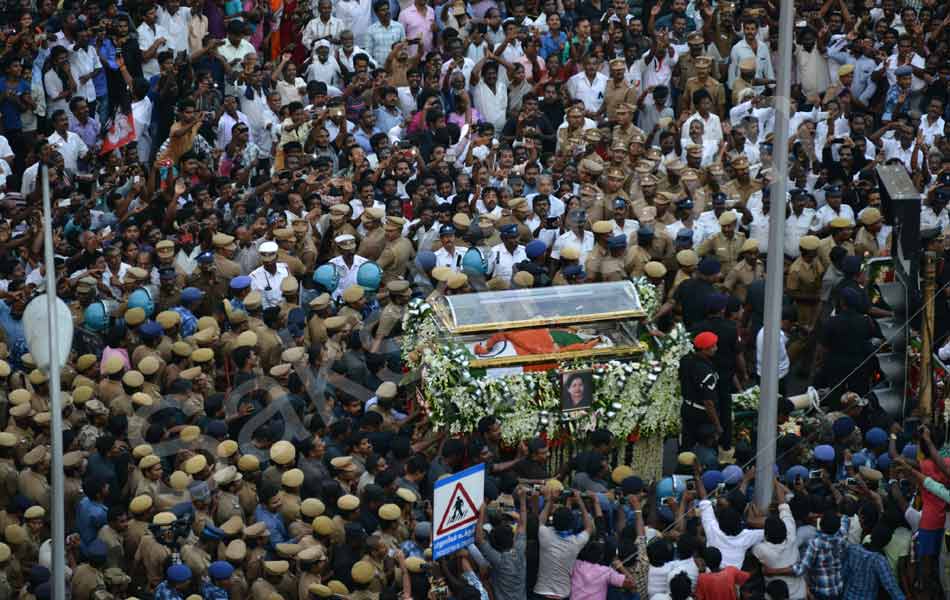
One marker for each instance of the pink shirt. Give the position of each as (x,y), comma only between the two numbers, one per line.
(418,25)
(589,581)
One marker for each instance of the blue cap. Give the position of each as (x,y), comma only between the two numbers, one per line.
(875,437)
(796,472)
(191,294)
(446,230)
(220,569)
(719,199)
(824,453)
(509,230)
(632,485)
(909,451)
(851,265)
(884,461)
(150,329)
(200,491)
(296,321)
(903,71)
(833,190)
(732,474)
(166,273)
(210,532)
(619,202)
(709,266)
(684,235)
(178,573)
(425,260)
(859,459)
(684,204)
(617,242)
(711,479)
(666,488)
(843,426)
(716,302)
(206,257)
(97,550)
(645,231)
(574,271)
(241,282)
(217,429)
(535,248)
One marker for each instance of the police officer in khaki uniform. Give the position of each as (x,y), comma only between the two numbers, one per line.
(687,261)
(140,513)
(112,534)
(390,319)
(265,587)
(228,504)
(663,204)
(602,231)
(224,249)
(372,244)
(85,294)
(153,551)
(703,80)
(638,254)
(612,267)
(803,282)
(520,212)
(571,137)
(304,246)
(866,241)
(655,272)
(249,465)
(725,245)
(840,236)
(673,183)
(339,225)
(355,298)
(285,252)
(8,469)
(742,186)
(398,251)
(319,310)
(88,576)
(747,270)
(626,133)
(33,481)
(6,585)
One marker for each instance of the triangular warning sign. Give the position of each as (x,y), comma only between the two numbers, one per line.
(460,511)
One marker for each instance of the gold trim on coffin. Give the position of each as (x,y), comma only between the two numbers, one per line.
(565,320)
(527,359)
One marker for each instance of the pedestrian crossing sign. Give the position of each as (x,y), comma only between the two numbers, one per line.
(456,501)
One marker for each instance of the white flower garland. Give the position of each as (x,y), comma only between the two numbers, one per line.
(642,397)
(646,291)
(747,399)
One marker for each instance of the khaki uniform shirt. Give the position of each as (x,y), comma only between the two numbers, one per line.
(865,243)
(741,191)
(152,554)
(86,580)
(371,246)
(824,250)
(395,259)
(724,249)
(804,282)
(115,547)
(196,558)
(716,91)
(35,487)
(741,276)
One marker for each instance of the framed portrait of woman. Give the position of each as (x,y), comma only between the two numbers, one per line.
(577,390)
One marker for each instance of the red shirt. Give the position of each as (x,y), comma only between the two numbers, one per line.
(721,585)
(932,507)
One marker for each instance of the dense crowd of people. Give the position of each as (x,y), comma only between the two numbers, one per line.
(247,194)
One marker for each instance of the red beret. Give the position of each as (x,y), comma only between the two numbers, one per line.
(705,340)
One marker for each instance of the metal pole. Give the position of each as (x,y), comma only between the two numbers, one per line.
(768,407)
(57,506)
(926,338)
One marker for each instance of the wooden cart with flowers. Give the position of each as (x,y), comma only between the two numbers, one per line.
(504,353)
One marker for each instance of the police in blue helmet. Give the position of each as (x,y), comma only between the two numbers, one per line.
(96,317)
(326,278)
(474,262)
(369,276)
(142,298)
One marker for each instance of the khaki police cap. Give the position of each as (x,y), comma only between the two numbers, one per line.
(236,550)
(870,216)
(258,529)
(414,564)
(7,440)
(389,512)
(687,258)
(654,269)
(280,370)
(750,246)
(182,349)
(338,587)
(135,316)
(292,478)
(249,463)
(140,504)
(4,552)
(276,567)
(163,519)
(312,508)
(233,526)
(34,512)
(179,481)
(202,355)
(283,452)
(149,365)
(809,242)
(362,572)
(195,464)
(840,223)
(323,525)
(133,379)
(289,285)
(348,502)
(570,252)
(113,365)
(86,361)
(727,218)
(72,459)
(189,433)
(320,302)
(227,448)
(149,461)
(253,300)
(20,396)
(142,450)
(602,227)
(190,374)
(246,339)
(353,293)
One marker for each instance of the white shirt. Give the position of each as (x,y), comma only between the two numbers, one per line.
(712,128)
(763,61)
(356,16)
(928,219)
(569,238)
(591,93)
(629,227)
(317,29)
(797,226)
(225,124)
(231,53)
(28,183)
(54,87)
(501,262)
(785,554)
(783,362)
(327,72)
(83,62)
(890,66)
(142,116)
(893,149)
(147,37)
(826,214)
(732,547)
(268,285)
(347,274)
(453,260)
(759,228)
(71,147)
(177,27)
(492,105)
(931,131)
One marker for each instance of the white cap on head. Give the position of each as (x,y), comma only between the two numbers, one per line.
(342,239)
(268,247)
